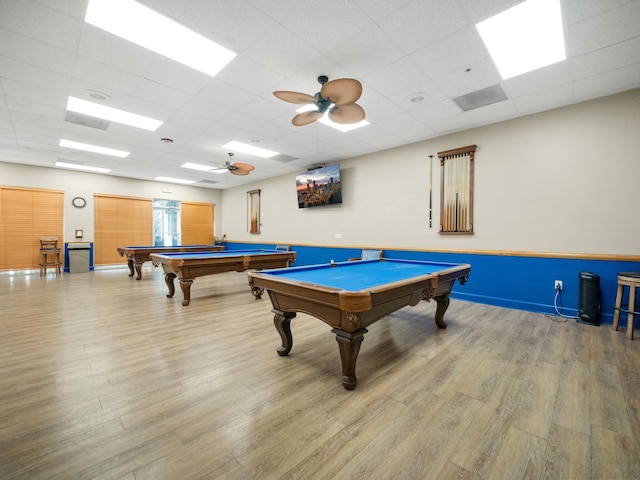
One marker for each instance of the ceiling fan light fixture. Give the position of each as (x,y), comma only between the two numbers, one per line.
(335,99)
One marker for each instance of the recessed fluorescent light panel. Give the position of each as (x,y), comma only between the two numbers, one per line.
(197,166)
(85,168)
(93,148)
(250,149)
(112,114)
(147,28)
(174,180)
(525,37)
(343,127)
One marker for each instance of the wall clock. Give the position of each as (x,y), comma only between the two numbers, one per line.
(79,202)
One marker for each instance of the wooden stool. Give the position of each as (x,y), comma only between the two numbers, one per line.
(631,280)
(49,246)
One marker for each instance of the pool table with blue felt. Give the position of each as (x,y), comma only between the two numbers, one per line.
(137,255)
(189,265)
(349,296)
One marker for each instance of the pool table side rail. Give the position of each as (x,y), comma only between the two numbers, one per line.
(144,254)
(267,259)
(329,303)
(271,280)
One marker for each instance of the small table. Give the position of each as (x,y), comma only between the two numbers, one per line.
(136,256)
(349,296)
(189,265)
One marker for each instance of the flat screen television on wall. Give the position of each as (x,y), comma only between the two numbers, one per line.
(320,186)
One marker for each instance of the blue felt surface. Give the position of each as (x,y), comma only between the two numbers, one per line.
(171,246)
(222,253)
(363,275)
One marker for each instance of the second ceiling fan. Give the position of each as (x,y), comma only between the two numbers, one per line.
(234,168)
(336,98)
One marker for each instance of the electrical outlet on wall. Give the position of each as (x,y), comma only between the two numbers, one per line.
(557,285)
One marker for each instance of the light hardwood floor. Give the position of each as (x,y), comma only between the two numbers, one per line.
(103,377)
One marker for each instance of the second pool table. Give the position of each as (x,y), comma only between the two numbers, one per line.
(189,265)
(137,255)
(349,296)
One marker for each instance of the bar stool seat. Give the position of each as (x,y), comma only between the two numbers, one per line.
(631,280)
(49,255)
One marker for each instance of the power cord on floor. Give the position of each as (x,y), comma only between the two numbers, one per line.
(558,313)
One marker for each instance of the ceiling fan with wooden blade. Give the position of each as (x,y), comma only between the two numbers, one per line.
(235,168)
(337,98)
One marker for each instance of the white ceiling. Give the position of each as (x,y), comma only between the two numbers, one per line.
(396,48)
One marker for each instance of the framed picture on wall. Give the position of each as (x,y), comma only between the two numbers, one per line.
(253,211)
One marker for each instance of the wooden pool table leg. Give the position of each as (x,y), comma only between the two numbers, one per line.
(257,292)
(168,279)
(442,305)
(349,344)
(282,322)
(185,286)
(130,265)
(138,270)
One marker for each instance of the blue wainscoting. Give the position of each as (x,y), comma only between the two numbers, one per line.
(511,281)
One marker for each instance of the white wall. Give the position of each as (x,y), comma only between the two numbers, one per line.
(565,181)
(80,184)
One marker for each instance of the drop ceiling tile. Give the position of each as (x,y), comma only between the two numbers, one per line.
(105,77)
(36,94)
(221,24)
(33,75)
(450,124)
(309,20)
(167,72)
(108,49)
(619,80)
(34,52)
(38,21)
(453,53)
(379,9)
(538,80)
(361,58)
(606,59)
(603,30)
(580,10)
(481,75)
(496,112)
(422,22)
(541,99)
(394,78)
(431,112)
(160,94)
(225,94)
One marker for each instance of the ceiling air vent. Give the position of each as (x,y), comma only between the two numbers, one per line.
(480,98)
(211,182)
(86,120)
